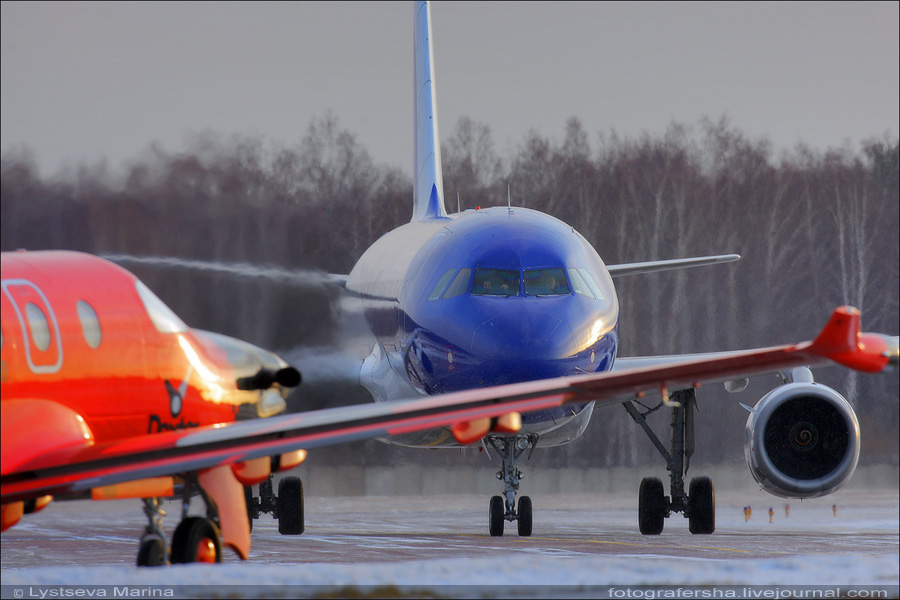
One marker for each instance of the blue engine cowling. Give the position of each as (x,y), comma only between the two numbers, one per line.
(802,441)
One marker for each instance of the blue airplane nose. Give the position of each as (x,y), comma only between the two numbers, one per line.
(525,332)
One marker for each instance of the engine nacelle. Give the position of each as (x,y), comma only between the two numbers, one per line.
(802,441)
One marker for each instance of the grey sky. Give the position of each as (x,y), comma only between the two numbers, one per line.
(81,81)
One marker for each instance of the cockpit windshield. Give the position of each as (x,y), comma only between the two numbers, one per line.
(495,282)
(509,282)
(162,316)
(546,282)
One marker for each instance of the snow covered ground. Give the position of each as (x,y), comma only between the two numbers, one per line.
(415,546)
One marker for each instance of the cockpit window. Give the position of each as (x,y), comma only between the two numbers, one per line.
(460,284)
(579,284)
(546,282)
(441,284)
(162,316)
(592,283)
(495,282)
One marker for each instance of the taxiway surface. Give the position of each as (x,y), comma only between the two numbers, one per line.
(391,529)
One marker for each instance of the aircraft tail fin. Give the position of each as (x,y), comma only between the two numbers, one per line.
(428,187)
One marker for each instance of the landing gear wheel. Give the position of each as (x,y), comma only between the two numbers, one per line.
(152,552)
(702,498)
(289,505)
(651,506)
(497,515)
(196,539)
(525,513)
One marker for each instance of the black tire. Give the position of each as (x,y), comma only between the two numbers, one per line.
(289,505)
(152,552)
(702,502)
(192,538)
(496,516)
(651,506)
(525,516)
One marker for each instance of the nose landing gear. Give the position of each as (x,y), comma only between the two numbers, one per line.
(503,508)
(286,508)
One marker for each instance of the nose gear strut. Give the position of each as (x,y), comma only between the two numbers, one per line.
(503,508)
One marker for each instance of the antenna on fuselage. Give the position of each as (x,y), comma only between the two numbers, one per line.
(508,199)
(457,203)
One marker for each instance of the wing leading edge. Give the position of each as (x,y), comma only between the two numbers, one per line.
(839,342)
(668,265)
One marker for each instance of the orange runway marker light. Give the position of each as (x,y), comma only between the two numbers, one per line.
(771,513)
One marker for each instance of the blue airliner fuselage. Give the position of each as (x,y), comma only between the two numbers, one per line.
(482,298)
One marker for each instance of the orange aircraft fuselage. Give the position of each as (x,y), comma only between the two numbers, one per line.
(90,356)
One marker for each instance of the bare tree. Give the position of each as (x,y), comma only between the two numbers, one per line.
(471,167)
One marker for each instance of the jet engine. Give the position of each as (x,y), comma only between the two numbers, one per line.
(802,441)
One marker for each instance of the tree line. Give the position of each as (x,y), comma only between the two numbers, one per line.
(815,229)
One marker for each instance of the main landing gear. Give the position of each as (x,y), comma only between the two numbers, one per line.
(503,508)
(699,504)
(196,539)
(287,507)
(199,539)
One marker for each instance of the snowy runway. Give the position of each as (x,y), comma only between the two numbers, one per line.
(585,540)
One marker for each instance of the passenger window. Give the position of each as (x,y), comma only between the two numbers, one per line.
(546,282)
(495,282)
(90,324)
(593,284)
(441,284)
(38,326)
(578,283)
(460,284)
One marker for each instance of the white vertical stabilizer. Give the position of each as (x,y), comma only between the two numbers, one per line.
(428,189)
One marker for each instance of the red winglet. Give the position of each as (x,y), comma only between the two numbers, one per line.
(842,342)
(840,334)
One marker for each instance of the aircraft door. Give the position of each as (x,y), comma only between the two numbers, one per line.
(38,326)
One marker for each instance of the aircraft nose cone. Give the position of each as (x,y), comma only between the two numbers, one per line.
(522,334)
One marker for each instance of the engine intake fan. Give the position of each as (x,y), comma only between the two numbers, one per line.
(802,441)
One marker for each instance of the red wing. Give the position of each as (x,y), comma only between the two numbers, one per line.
(189,450)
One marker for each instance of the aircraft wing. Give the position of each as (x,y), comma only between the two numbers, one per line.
(667,265)
(175,452)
